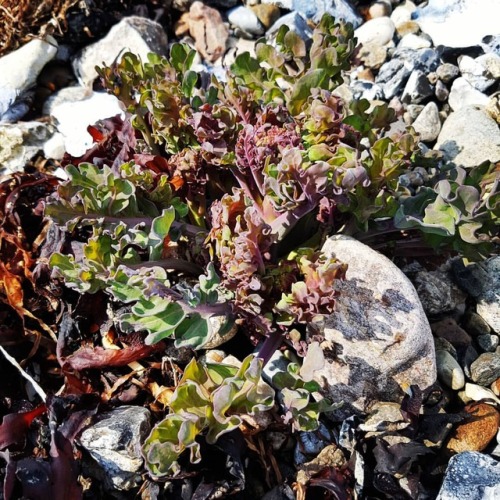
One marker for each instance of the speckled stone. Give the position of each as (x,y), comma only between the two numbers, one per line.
(486,368)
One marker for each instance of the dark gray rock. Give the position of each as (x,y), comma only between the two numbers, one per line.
(471,476)
(449,371)
(488,343)
(475,325)
(447,72)
(114,442)
(393,76)
(417,88)
(486,368)
(441,91)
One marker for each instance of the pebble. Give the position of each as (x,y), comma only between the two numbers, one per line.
(428,126)
(412,41)
(393,76)
(486,368)
(471,476)
(441,91)
(476,433)
(449,371)
(475,325)
(384,417)
(246,20)
(491,62)
(417,88)
(136,34)
(448,329)
(380,9)
(493,107)
(372,55)
(468,357)
(495,387)
(408,28)
(268,14)
(476,73)
(295,22)
(469,137)
(447,72)
(441,344)
(474,392)
(488,343)
(402,13)
(378,31)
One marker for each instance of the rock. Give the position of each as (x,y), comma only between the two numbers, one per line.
(471,476)
(475,325)
(135,34)
(491,62)
(491,44)
(469,137)
(329,456)
(466,359)
(412,41)
(314,9)
(417,88)
(441,91)
(488,343)
(372,55)
(55,147)
(447,72)
(114,442)
(493,107)
(73,117)
(478,431)
(295,22)
(19,70)
(19,142)
(426,60)
(495,387)
(407,28)
(441,344)
(384,417)
(379,338)
(448,329)
(474,392)
(458,23)
(475,73)
(436,290)
(366,90)
(378,31)
(428,124)
(402,13)
(380,9)
(449,371)
(246,20)
(268,14)
(392,76)
(486,368)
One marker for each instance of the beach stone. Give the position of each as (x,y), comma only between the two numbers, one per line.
(428,123)
(246,20)
(466,358)
(426,60)
(474,392)
(135,34)
(491,62)
(471,476)
(18,72)
(448,329)
(114,442)
(441,91)
(486,368)
(413,41)
(478,431)
(447,72)
(477,74)
(449,371)
(402,13)
(468,138)
(493,107)
(495,387)
(378,31)
(475,324)
(380,9)
(458,23)
(372,55)
(379,338)
(441,344)
(268,14)
(407,28)
(295,22)
(417,88)
(19,142)
(488,343)
(393,76)
(384,417)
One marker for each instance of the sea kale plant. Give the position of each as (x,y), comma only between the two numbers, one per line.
(202,215)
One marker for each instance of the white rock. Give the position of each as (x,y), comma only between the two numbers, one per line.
(490,61)
(135,34)
(449,371)
(402,13)
(73,118)
(459,23)
(55,147)
(246,20)
(428,123)
(463,94)
(412,41)
(380,9)
(469,137)
(19,142)
(378,31)
(295,22)
(476,73)
(379,339)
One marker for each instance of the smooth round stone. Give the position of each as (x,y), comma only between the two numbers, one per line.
(475,325)
(474,392)
(246,20)
(449,371)
(447,72)
(412,41)
(441,344)
(378,31)
(380,9)
(441,91)
(488,343)
(373,55)
(267,13)
(402,13)
(486,369)
(428,123)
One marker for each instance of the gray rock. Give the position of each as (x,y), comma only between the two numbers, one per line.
(314,9)
(412,41)
(468,138)
(441,91)
(135,34)
(449,371)
(441,344)
(447,72)
(393,76)
(467,358)
(458,23)
(488,343)
(477,74)
(19,70)
(372,55)
(475,324)
(402,13)
(295,22)
(246,20)
(378,31)
(366,90)
(75,110)
(463,94)
(114,442)
(491,44)
(384,417)
(471,476)
(379,338)
(486,368)
(491,62)
(417,88)
(19,142)
(426,60)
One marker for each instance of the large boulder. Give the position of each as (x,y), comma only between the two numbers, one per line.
(378,341)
